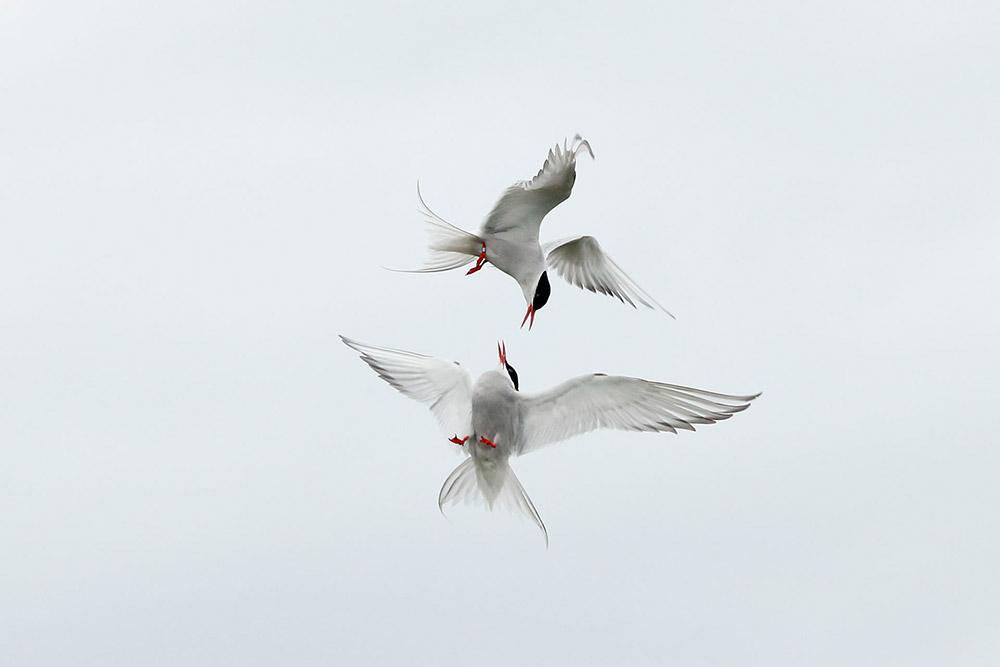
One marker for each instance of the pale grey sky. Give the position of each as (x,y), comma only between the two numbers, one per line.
(195,199)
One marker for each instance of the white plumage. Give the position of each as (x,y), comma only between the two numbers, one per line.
(508,239)
(498,421)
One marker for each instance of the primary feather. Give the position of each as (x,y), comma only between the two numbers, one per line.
(590,402)
(582,262)
(445,385)
(523,205)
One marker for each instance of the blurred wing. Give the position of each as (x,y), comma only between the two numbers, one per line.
(445,385)
(522,206)
(583,263)
(590,402)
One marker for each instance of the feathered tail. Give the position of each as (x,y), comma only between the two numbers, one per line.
(448,246)
(493,482)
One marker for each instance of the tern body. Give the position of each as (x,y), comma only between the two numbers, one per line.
(509,240)
(496,414)
(493,420)
(521,259)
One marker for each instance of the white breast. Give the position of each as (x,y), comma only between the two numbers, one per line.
(496,414)
(521,260)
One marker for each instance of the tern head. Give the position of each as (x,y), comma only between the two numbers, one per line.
(502,351)
(539,298)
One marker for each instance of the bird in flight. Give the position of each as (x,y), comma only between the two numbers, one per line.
(508,239)
(493,421)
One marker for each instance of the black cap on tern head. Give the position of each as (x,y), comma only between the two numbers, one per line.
(513,376)
(502,351)
(542,291)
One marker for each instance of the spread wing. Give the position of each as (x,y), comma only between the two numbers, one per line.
(522,206)
(590,402)
(582,262)
(445,385)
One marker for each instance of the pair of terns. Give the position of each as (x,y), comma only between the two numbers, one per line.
(490,417)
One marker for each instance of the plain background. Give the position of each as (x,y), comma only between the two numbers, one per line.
(196,198)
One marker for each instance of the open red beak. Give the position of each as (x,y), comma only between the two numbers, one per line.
(502,351)
(531,313)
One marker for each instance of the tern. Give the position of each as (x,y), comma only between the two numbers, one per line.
(493,421)
(508,239)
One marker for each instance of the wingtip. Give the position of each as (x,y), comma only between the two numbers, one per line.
(579,142)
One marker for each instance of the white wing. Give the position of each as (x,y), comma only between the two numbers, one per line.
(582,262)
(591,402)
(522,206)
(444,384)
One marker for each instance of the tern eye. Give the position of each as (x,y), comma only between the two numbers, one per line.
(513,376)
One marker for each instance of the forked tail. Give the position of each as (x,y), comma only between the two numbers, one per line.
(492,483)
(448,246)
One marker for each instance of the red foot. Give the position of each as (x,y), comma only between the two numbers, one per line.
(486,441)
(455,439)
(480,261)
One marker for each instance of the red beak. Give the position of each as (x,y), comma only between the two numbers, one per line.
(502,351)
(531,312)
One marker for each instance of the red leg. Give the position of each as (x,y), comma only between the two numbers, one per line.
(486,441)
(455,439)
(480,261)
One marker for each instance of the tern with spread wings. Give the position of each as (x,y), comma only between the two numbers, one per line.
(508,239)
(492,420)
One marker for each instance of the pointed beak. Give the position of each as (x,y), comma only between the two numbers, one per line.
(502,352)
(531,313)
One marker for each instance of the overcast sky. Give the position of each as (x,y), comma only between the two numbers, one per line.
(196,197)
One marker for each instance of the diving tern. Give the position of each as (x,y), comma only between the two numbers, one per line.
(508,239)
